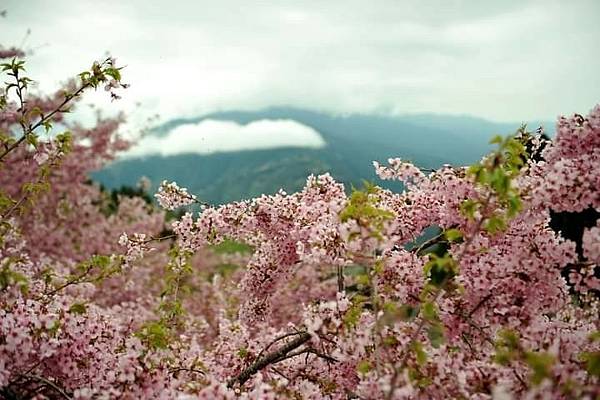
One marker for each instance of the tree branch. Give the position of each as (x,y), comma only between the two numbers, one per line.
(270,358)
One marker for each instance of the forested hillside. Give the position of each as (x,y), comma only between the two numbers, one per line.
(352,143)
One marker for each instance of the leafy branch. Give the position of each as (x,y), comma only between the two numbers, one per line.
(104,72)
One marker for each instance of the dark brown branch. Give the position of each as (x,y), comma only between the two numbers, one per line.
(50,384)
(196,371)
(29,130)
(324,356)
(269,358)
(74,281)
(10,394)
(277,339)
(478,306)
(340,278)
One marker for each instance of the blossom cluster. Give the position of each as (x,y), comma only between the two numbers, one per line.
(452,288)
(170,196)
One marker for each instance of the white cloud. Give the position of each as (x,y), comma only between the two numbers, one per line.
(212,136)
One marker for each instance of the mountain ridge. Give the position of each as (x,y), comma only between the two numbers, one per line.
(353,141)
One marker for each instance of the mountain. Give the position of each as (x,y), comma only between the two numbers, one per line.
(352,143)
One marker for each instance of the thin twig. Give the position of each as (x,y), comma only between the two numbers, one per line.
(28,130)
(176,370)
(478,306)
(159,238)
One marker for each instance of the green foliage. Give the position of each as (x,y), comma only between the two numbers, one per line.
(78,308)
(496,173)
(230,246)
(469,207)
(225,269)
(392,313)
(540,364)
(54,328)
(592,362)
(363,207)
(363,367)
(435,334)
(354,312)
(5,202)
(507,346)
(14,66)
(509,349)
(159,333)
(592,358)
(418,379)
(440,270)
(495,223)
(100,73)
(154,334)
(94,270)
(64,142)
(243,353)
(420,354)
(10,278)
(6,139)
(453,235)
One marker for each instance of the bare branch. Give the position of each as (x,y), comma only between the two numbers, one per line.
(277,339)
(270,358)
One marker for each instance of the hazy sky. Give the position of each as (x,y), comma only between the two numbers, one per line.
(502,60)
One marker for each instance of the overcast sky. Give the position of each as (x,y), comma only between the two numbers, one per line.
(502,60)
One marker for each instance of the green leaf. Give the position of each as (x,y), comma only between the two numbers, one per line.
(243,353)
(10,278)
(355,311)
(229,246)
(468,208)
(53,330)
(540,363)
(421,356)
(592,362)
(435,333)
(496,140)
(495,224)
(594,336)
(440,270)
(408,312)
(453,235)
(154,334)
(78,308)
(514,206)
(430,311)
(113,73)
(32,139)
(363,367)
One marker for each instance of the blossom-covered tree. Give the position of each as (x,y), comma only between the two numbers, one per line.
(319,294)
(385,317)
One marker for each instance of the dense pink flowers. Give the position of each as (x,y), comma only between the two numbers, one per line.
(591,244)
(319,294)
